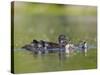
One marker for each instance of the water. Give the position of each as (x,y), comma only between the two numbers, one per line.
(56,49)
(26,62)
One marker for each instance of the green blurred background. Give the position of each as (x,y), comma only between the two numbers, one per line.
(48,21)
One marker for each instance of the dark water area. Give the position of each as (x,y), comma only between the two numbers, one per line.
(57,49)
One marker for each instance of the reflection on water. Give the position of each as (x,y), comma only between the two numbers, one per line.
(51,61)
(25,61)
